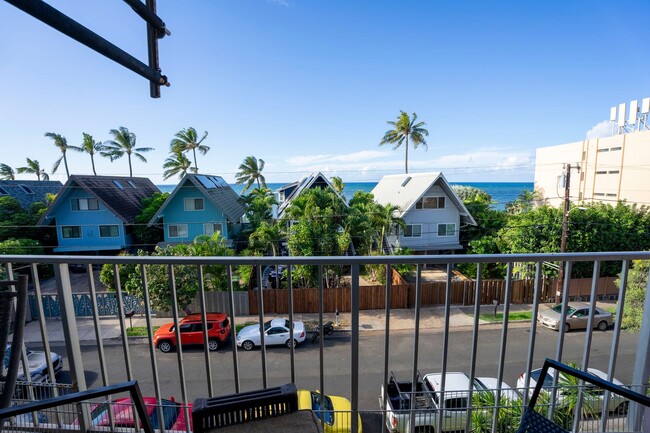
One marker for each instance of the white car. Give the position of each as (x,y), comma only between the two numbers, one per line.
(506,391)
(276,332)
(37,365)
(593,399)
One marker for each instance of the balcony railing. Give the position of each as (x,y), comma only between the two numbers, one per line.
(358,364)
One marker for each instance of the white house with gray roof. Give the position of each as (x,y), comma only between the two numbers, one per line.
(433,213)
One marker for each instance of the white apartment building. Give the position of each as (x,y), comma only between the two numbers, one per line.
(603,170)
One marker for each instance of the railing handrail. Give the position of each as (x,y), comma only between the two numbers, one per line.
(330,260)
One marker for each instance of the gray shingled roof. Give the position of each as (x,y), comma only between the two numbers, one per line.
(216,190)
(38,188)
(122,195)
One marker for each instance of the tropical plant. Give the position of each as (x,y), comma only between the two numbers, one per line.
(62,144)
(259,205)
(34,167)
(187,140)
(7,173)
(267,236)
(405,129)
(147,236)
(91,147)
(524,202)
(338,184)
(250,171)
(635,295)
(123,143)
(176,164)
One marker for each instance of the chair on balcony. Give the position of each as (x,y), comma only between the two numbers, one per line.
(268,410)
(535,422)
(7,298)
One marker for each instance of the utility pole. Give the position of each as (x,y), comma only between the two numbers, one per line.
(565,228)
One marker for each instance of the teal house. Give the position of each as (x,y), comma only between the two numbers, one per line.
(200,205)
(95,214)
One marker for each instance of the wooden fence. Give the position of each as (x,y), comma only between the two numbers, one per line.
(432,294)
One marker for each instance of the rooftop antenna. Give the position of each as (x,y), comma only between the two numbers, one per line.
(612,119)
(632,117)
(621,118)
(643,116)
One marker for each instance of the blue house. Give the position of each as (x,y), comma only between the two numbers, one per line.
(200,205)
(95,214)
(28,192)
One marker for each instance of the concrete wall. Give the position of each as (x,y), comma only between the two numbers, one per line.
(611,169)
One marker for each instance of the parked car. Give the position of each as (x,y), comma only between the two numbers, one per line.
(577,317)
(594,396)
(333,410)
(276,332)
(490,383)
(37,365)
(191,329)
(173,413)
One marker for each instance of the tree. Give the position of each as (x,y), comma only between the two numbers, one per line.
(62,144)
(187,140)
(338,184)
(123,143)
(34,167)
(176,164)
(7,173)
(91,147)
(149,236)
(259,206)
(635,295)
(524,202)
(405,129)
(250,171)
(268,237)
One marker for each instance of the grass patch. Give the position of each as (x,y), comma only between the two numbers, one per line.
(518,315)
(139,331)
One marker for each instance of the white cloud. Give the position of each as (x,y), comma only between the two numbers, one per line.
(600,130)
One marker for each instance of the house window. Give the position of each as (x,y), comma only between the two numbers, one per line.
(613,172)
(26,189)
(118,184)
(430,203)
(601,172)
(281,196)
(446,229)
(71,231)
(413,231)
(210,229)
(616,148)
(85,204)
(193,204)
(130,182)
(111,231)
(606,149)
(178,231)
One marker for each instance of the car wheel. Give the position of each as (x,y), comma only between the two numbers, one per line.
(602,326)
(567,327)
(165,346)
(213,344)
(248,345)
(288,343)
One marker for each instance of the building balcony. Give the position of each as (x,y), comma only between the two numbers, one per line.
(384,334)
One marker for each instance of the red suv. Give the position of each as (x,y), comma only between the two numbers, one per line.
(191,327)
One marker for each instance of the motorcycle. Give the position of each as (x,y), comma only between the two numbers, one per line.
(328,328)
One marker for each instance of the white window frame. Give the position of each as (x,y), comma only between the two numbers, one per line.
(404,235)
(180,229)
(211,226)
(81,235)
(419,205)
(86,206)
(117,234)
(189,204)
(446,230)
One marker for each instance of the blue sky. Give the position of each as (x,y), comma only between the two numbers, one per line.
(308,85)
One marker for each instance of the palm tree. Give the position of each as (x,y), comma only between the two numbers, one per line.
(176,164)
(123,143)
(91,147)
(384,217)
(186,140)
(34,167)
(338,184)
(251,171)
(404,129)
(62,144)
(7,173)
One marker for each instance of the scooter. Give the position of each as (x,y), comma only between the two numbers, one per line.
(328,328)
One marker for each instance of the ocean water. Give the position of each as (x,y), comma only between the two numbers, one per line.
(501,192)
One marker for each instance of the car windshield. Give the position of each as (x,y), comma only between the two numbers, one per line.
(323,407)
(170,414)
(558,309)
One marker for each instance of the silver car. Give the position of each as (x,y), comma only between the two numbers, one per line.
(577,317)
(37,365)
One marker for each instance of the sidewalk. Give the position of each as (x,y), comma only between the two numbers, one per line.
(431,318)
